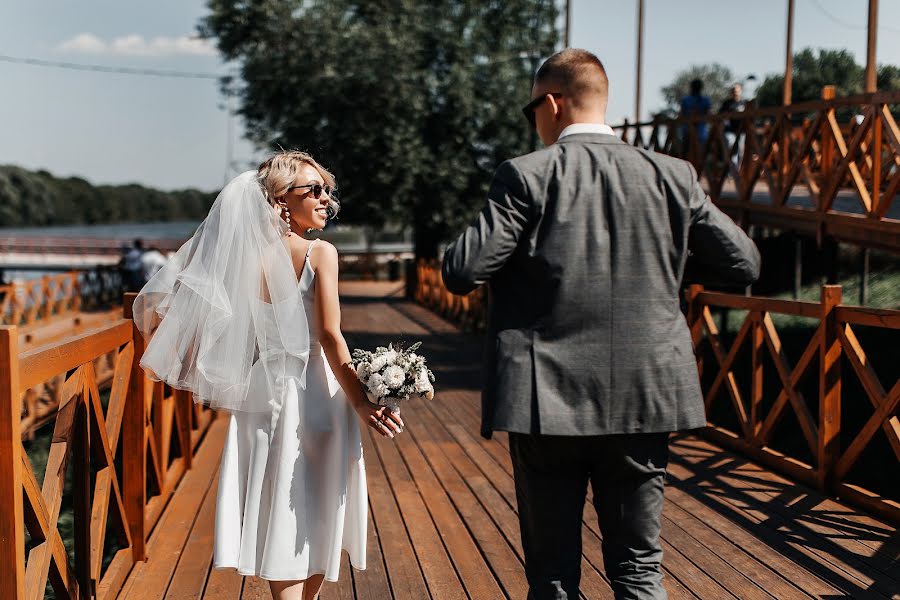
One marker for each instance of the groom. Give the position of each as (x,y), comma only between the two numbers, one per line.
(584,245)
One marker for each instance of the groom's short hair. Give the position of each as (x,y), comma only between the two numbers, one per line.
(578,75)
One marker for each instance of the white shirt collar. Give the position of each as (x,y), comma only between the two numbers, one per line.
(586,128)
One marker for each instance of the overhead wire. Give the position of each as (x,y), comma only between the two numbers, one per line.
(37,62)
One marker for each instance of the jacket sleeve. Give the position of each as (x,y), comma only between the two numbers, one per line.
(720,253)
(487,243)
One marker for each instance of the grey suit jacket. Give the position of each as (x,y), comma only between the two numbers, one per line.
(584,246)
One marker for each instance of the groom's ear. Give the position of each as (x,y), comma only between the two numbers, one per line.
(554,105)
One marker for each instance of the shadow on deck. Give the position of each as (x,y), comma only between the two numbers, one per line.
(442,507)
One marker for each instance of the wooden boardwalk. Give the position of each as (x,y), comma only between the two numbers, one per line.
(443,513)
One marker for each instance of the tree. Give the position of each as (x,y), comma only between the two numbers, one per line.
(717,81)
(811,72)
(412,103)
(29,198)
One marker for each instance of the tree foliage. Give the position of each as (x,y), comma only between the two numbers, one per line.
(34,198)
(813,70)
(412,103)
(717,81)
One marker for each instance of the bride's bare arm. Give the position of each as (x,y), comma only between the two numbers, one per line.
(324,259)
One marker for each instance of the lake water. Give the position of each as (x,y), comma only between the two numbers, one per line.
(347,238)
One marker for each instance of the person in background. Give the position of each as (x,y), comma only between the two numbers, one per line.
(152,261)
(695,104)
(133,268)
(734,103)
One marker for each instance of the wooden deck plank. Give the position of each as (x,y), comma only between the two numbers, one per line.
(848,555)
(404,575)
(343,588)
(749,543)
(255,589)
(487,542)
(858,533)
(751,568)
(465,551)
(440,575)
(190,576)
(223,584)
(372,583)
(772,534)
(150,579)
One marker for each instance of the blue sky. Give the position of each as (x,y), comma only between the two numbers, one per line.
(171,133)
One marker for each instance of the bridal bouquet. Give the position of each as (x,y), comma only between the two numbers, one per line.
(391,375)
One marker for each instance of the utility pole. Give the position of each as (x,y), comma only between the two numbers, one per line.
(568,37)
(640,56)
(789,59)
(871,67)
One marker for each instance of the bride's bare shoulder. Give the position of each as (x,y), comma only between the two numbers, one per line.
(323,255)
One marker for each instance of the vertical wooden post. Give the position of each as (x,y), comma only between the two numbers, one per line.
(864,276)
(829,443)
(694,319)
(871,67)
(81,493)
(568,38)
(12,519)
(789,59)
(184,410)
(875,150)
(828,93)
(756,375)
(640,56)
(134,444)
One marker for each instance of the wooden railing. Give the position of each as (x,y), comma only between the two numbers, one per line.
(23,303)
(128,445)
(845,175)
(820,418)
(470,311)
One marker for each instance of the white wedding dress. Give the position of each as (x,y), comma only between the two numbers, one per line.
(292,482)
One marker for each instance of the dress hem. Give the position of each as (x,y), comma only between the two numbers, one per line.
(267,577)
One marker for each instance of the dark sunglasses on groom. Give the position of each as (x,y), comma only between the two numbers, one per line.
(316,189)
(528,109)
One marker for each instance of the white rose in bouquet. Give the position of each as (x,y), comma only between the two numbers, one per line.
(383,360)
(423,384)
(363,371)
(394,376)
(377,386)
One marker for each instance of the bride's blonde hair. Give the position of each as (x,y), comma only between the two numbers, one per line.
(278,173)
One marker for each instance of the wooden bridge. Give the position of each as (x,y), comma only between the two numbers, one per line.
(829,168)
(141,464)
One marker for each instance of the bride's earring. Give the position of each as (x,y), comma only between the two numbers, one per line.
(287,216)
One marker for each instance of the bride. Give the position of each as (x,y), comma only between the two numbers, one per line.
(246,317)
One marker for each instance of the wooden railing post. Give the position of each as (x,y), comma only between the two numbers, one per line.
(829,444)
(12,520)
(134,444)
(875,150)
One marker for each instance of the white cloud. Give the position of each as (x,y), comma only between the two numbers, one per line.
(137,45)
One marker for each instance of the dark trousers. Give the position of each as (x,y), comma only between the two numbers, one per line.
(626,473)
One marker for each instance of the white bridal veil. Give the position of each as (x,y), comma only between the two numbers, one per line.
(229,299)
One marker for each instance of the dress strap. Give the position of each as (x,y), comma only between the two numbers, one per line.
(311,244)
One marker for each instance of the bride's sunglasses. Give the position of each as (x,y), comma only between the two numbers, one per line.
(316,189)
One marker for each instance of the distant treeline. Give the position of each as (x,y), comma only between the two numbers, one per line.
(33,198)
